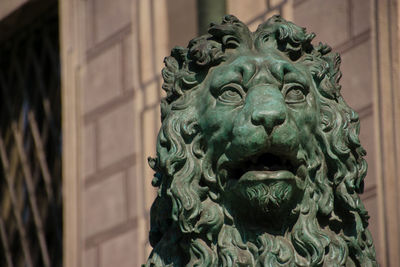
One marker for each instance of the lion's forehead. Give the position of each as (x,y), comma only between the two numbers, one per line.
(255,68)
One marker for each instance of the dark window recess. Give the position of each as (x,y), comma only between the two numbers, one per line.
(30,145)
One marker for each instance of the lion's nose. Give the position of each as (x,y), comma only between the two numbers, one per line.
(271,115)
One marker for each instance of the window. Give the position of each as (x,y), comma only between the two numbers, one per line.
(30,143)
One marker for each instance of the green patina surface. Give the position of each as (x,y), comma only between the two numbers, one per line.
(258,156)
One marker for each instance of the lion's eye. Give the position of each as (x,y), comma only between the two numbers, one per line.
(294,93)
(231,94)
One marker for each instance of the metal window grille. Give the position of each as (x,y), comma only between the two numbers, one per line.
(30,145)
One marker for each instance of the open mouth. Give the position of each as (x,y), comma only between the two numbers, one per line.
(267,182)
(262,167)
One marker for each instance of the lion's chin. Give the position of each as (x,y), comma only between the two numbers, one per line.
(259,196)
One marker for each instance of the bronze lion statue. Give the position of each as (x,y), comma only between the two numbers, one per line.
(258,157)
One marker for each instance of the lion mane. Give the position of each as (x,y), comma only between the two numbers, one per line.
(189,224)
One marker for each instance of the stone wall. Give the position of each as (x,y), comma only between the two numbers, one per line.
(109,218)
(101,220)
(126,42)
(112,54)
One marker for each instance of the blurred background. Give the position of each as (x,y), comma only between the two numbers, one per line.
(80,88)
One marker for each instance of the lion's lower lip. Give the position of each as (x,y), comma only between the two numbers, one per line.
(266,175)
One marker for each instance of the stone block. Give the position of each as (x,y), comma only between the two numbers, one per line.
(152,93)
(146,52)
(90,257)
(120,251)
(357,75)
(135,186)
(115,134)
(105,205)
(103,78)
(89,150)
(246,11)
(361,17)
(161,34)
(110,16)
(327,18)
(274,3)
(128,60)
(182,25)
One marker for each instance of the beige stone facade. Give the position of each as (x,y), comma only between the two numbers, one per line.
(112,54)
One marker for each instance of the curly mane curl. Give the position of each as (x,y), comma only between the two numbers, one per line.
(190,227)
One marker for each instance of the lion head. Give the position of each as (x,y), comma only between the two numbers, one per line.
(258,157)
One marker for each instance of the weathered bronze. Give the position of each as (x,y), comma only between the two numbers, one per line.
(258,158)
